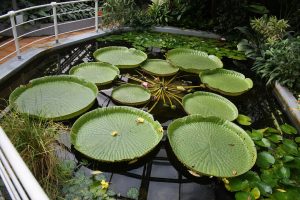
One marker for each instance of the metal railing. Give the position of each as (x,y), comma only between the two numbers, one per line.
(11,16)
(18,180)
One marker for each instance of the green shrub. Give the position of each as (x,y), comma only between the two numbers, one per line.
(276,174)
(270,28)
(34,139)
(118,12)
(281,62)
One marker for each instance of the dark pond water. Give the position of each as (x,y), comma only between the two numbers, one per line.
(159,175)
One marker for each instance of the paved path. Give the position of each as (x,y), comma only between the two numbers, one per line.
(31,42)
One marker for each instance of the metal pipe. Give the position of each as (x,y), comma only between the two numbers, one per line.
(35,31)
(30,184)
(54,4)
(70,22)
(96,16)
(31,8)
(7,29)
(13,177)
(76,11)
(8,183)
(70,2)
(15,34)
(32,20)
(9,41)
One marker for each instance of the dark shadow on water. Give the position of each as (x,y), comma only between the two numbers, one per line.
(116,167)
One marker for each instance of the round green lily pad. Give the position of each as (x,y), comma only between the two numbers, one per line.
(131,94)
(54,97)
(159,67)
(212,146)
(226,82)
(209,105)
(192,60)
(99,73)
(122,57)
(116,134)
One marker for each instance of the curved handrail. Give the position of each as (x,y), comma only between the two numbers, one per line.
(11,15)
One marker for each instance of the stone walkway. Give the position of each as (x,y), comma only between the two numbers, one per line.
(40,42)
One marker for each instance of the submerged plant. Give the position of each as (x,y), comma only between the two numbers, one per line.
(92,185)
(169,91)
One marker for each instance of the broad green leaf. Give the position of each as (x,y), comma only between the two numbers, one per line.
(96,72)
(54,97)
(226,82)
(237,184)
(272,130)
(286,194)
(192,60)
(275,138)
(131,94)
(290,146)
(92,134)
(264,188)
(288,129)
(244,196)
(120,56)
(256,135)
(287,158)
(294,163)
(263,142)
(297,139)
(269,177)
(159,67)
(284,172)
(252,177)
(244,120)
(264,160)
(195,138)
(209,105)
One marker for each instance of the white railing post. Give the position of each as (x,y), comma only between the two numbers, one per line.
(54,4)
(96,16)
(15,33)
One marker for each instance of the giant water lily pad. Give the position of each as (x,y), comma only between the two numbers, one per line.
(226,82)
(116,134)
(159,67)
(192,60)
(212,146)
(122,57)
(54,97)
(99,73)
(209,105)
(131,94)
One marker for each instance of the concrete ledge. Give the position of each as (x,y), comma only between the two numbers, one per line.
(288,103)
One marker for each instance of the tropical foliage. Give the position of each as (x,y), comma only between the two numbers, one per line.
(277,166)
(281,62)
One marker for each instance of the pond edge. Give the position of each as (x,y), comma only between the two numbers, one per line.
(285,98)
